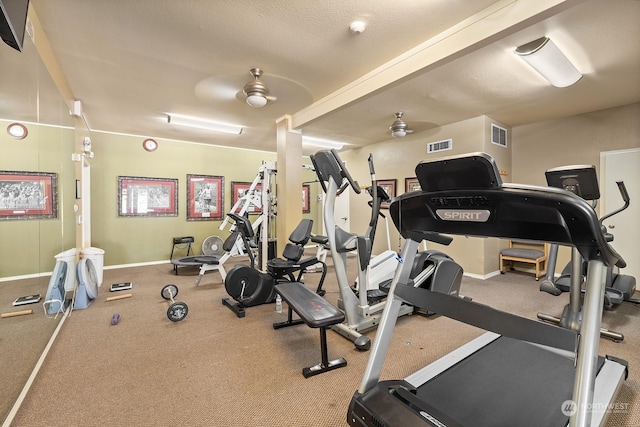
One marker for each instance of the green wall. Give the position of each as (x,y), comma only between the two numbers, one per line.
(28,246)
(130,240)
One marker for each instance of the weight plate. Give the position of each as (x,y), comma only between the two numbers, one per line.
(169,291)
(177,311)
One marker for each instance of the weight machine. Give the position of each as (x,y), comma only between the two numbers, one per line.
(259,197)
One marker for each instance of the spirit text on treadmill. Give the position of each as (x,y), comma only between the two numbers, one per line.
(463,215)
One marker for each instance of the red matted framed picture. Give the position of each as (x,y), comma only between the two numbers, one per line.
(205,197)
(140,196)
(306,203)
(254,197)
(411,184)
(28,195)
(389,185)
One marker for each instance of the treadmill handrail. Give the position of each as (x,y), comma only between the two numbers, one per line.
(489,318)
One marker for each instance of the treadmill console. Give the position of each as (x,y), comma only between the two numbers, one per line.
(581,180)
(477,170)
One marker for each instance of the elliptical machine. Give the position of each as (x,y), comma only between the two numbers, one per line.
(582,181)
(361,312)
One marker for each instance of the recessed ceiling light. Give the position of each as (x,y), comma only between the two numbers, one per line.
(17,131)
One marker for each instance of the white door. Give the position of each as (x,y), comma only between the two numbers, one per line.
(622,165)
(341,212)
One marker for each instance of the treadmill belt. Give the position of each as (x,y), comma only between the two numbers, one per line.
(490,389)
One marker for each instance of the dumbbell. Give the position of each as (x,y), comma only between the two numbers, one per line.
(177,311)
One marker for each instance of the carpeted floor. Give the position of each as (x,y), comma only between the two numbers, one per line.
(22,338)
(214,369)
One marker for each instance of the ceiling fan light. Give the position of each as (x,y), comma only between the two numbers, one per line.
(256,101)
(399,133)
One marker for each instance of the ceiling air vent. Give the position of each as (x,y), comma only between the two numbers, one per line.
(498,135)
(434,147)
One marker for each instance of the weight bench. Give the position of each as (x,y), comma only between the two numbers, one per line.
(316,312)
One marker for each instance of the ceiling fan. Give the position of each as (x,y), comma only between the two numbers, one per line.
(256,92)
(399,127)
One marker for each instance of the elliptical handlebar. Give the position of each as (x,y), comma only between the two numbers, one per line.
(375,207)
(343,187)
(625,197)
(345,173)
(328,165)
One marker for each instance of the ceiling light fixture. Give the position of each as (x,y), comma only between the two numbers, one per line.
(357,27)
(175,119)
(399,127)
(257,93)
(545,57)
(17,131)
(321,142)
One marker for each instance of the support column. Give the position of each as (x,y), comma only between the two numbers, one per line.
(81,158)
(288,180)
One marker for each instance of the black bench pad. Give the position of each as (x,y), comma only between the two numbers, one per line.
(316,313)
(314,310)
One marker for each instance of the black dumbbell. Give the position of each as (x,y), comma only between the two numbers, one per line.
(177,311)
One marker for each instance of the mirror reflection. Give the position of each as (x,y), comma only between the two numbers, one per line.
(30,243)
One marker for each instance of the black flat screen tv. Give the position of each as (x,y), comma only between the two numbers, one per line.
(13,21)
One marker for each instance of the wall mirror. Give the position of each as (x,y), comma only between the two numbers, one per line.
(28,246)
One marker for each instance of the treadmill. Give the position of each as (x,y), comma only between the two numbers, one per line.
(520,372)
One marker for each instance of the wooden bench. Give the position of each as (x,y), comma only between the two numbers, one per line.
(316,312)
(526,251)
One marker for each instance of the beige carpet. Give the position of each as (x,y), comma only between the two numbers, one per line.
(214,369)
(22,338)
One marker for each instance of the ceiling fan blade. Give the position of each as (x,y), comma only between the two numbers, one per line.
(271,98)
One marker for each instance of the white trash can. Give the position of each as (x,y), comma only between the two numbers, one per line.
(96,255)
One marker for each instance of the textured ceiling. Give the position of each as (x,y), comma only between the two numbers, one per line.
(132,62)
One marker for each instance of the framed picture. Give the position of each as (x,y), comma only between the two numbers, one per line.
(241,189)
(306,203)
(138,196)
(389,185)
(411,184)
(28,195)
(205,197)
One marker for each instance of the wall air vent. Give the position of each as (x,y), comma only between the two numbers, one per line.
(498,135)
(434,147)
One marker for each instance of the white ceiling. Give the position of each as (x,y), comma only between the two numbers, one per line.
(438,61)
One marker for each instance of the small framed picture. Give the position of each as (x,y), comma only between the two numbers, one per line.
(205,197)
(411,184)
(254,196)
(138,196)
(306,203)
(28,195)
